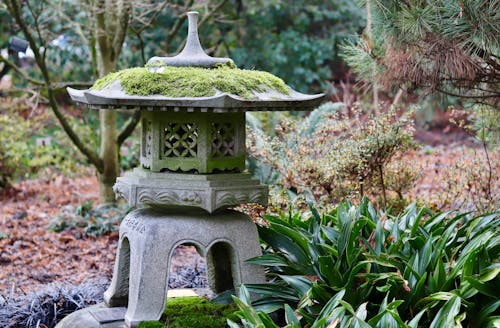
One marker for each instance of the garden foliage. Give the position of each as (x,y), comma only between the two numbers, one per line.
(336,154)
(35,147)
(88,220)
(355,267)
(297,40)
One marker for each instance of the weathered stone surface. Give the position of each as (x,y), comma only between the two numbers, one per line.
(147,240)
(192,54)
(206,191)
(193,142)
(268,100)
(98,316)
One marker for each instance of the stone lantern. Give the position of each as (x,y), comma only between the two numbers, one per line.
(192,169)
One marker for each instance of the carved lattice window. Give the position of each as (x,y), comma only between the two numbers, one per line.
(147,130)
(223,139)
(181,140)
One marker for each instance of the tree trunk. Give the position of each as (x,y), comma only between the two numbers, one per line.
(109,140)
(109,155)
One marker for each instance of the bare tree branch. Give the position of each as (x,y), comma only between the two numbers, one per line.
(15,12)
(20,72)
(175,29)
(129,127)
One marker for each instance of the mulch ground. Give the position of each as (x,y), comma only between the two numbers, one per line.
(32,256)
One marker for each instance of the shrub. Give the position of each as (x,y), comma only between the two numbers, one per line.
(472,183)
(87,220)
(333,155)
(22,154)
(356,268)
(13,148)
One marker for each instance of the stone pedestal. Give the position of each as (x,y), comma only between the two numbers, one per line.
(148,238)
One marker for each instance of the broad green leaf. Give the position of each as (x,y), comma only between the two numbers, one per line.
(287,247)
(493,322)
(435,221)
(439,296)
(414,322)
(328,271)
(332,304)
(244,295)
(268,305)
(267,322)
(295,235)
(490,273)
(483,288)
(353,250)
(446,315)
(438,277)
(268,260)
(291,318)
(274,290)
(485,312)
(361,311)
(299,283)
(425,256)
(331,233)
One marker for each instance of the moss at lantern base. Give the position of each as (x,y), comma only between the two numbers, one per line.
(180,82)
(189,312)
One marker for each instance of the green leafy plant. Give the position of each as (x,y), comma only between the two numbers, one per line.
(355,267)
(88,220)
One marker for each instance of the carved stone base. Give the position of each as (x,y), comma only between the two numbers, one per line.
(207,191)
(148,238)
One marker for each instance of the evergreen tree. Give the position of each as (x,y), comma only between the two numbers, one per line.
(449,46)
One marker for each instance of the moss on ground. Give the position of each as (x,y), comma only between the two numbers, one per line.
(192,81)
(189,312)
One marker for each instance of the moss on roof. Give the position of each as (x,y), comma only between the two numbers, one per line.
(192,81)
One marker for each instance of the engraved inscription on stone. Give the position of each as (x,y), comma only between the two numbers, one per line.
(135,225)
(109,314)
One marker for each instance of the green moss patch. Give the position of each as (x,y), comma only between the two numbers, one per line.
(189,312)
(192,81)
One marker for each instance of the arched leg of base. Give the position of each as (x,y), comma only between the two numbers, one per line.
(220,270)
(238,242)
(148,281)
(245,246)
(117,293)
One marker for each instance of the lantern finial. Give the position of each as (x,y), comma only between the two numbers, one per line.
(192,54)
